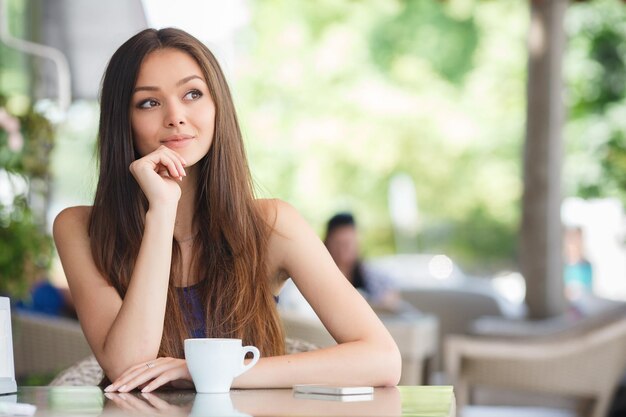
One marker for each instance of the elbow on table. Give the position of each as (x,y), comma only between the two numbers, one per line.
(115,364)
(391,367)
(112,369)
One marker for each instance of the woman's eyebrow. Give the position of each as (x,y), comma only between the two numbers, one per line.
(178,84)
(187,79)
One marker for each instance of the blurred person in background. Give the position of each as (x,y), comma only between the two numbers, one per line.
(577,272)
(343,245)
(46,298)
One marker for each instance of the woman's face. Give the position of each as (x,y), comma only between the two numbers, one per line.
(171,106)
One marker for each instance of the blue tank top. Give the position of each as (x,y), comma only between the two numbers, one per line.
(191,304)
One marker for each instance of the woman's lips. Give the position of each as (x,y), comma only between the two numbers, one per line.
(177,141)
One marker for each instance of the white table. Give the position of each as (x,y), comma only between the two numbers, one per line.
(407,401)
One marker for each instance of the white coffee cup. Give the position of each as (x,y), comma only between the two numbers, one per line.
(214,363)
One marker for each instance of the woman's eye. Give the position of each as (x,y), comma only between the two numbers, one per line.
(193,95)
(147,104)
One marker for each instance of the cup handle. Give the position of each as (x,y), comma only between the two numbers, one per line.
(255,358)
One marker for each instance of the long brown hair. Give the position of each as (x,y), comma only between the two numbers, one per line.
(230,248)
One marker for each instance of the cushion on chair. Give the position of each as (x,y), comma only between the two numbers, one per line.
(297,345)
(83,373)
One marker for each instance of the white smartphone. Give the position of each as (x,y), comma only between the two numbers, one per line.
(332,390)
(329,397)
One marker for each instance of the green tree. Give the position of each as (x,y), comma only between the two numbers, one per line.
(25,246)
(596,81)
(338,96)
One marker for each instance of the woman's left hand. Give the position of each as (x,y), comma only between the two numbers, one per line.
(153,374)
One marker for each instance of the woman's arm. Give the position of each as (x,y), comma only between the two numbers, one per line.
(365,355)
(122,333)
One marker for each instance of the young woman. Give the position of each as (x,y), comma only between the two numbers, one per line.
(176,246)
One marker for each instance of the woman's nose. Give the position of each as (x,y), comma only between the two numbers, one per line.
(176,122)
(175,116)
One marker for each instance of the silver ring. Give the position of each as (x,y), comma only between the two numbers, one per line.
(150,365)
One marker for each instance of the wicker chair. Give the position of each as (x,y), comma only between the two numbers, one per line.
(455,309)
(44,345)
(584,361)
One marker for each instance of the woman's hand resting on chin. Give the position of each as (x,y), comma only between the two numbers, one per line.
(157,173)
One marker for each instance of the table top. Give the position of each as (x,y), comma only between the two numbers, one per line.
(405,401)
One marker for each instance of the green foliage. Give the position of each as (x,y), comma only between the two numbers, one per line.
(25,247)
(614,163)
(34,159)
(478,233)
(14,73)
(336,97)
(37,380)
(596,79)
(25,252)
(424,29)
(603,46)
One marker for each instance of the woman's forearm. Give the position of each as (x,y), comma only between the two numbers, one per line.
(352,363)
(135,335)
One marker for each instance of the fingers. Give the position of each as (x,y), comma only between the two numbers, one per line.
(163,172)
(173,165)
(162,160)
(160,372)
(172,374)
(127,375)
(178,161)
(121,384)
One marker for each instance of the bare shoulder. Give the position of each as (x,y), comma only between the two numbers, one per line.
(287,225)
(281,216)
(71,220)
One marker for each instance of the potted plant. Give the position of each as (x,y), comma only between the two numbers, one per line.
(26,141)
